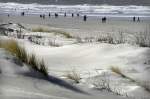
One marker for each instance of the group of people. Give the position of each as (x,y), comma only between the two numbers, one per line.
(65,15)
(104,19)
(136,19)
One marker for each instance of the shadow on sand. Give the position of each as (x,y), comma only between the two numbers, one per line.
(54,80)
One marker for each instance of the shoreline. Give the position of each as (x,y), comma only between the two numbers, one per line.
(77,27)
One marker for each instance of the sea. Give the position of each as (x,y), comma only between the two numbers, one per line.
(110,8)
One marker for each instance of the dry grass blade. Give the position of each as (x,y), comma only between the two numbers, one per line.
(20,52)
(73,75)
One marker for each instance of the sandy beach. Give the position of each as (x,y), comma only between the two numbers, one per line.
(77,27)
(109,60)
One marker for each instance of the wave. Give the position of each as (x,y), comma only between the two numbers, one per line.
(91,10)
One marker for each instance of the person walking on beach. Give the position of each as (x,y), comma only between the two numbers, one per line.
(84,18)
(65,14)
(49,15)
(22,13)
(72,15)
(56,15)
(43,16)
(78,15)
(40,16)
(134,18)
(104,20)
(138,19)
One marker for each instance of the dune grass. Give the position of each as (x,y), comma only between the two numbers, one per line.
(144,84)
(41,29)
(73,75)
(118,71)
(13,47)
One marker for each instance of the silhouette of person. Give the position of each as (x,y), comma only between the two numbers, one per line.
(43,16)
(72,15)
(138,19)
(84,18)
(49,14)
(56,15)
(134,19)
(65,14)
(22,14)
(40,16)
(104,20)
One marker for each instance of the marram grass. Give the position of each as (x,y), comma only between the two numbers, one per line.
(13,47)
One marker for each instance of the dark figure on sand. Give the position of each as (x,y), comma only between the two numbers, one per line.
(104,20)
(65,14)
(84,18)
(40,16)
(49,14)
(43,16)
(134,19)
(56,15)
(72,15)
(78,15)
(22,13)
(138,19)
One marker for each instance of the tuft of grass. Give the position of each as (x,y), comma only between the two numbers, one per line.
(118,71)
(41,29)
(73,75)
(43,68)
(33,62)
(144,84)
(20,52)
(143,39)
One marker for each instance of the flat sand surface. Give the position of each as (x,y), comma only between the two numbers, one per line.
(92,27)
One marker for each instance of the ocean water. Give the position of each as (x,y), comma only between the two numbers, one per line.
(76,2)
(82,9)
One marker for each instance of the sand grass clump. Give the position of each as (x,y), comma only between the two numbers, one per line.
(143,39)
(41,29)
(15,49)
(73,75)
(118,71)
(43,68)
(144,84)
(67,35)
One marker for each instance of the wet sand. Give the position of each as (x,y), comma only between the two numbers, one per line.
(92,27)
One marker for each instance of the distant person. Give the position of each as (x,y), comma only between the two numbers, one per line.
(65,14)
(22,13)
(104,20)
(84,18)
(134,18)
(49,14)
(138,19)
(8,15)
(56,15)
(43,16)
(78,15)
(40,16)
(72,15)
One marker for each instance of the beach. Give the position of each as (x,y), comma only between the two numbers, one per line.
(77,27)
(106,55)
